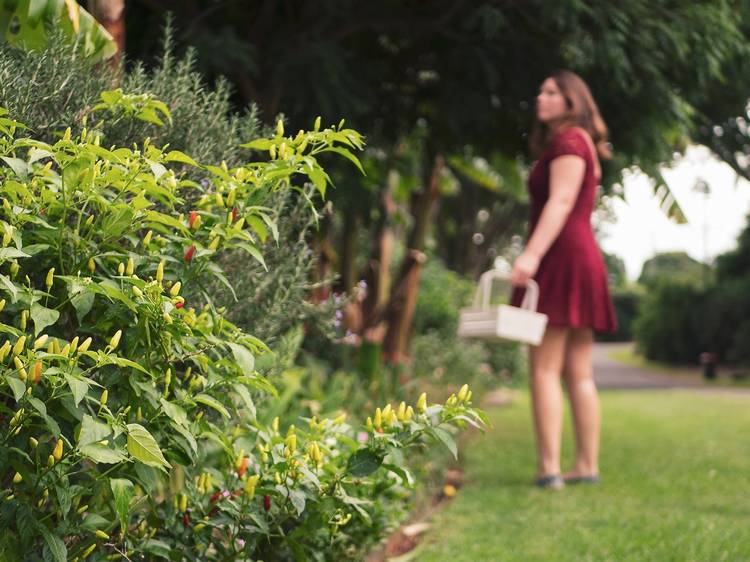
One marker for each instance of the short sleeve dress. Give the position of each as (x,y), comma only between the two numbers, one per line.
(572,275)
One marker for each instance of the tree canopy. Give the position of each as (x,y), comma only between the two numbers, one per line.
(662,71)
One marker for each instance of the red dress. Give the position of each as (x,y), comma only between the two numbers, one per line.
(572,276)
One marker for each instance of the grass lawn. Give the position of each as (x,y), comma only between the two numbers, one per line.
(676,487)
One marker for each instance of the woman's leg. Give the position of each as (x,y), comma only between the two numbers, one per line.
(547,361)
(584,400)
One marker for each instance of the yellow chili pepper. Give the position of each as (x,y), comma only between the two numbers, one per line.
(114,342)
(58,451)
(422,403)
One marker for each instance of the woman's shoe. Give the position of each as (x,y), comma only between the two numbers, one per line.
(551,481)
(591,479)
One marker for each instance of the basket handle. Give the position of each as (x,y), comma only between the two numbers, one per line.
(484,290)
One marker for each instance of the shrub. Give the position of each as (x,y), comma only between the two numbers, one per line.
(725,321)
(129,410)
(442,293)
(627,302)
(438,355)
(669,327)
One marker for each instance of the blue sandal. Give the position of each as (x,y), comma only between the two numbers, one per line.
(593,479)
(551,481)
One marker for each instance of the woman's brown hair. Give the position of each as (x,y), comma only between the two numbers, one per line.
(582,112)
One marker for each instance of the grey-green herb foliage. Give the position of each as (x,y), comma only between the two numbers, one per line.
(57,86)
(274,304)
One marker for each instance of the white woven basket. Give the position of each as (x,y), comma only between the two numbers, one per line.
(503,321)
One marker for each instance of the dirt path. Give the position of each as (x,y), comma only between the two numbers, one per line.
(611,374)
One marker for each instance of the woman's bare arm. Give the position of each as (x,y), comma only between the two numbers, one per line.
(566,177)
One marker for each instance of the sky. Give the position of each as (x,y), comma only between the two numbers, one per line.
(641,229)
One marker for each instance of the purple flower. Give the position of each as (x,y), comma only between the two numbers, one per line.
(362,436)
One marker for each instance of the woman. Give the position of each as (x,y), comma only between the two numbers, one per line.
(562,256)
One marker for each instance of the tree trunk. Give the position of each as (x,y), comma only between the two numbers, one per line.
(349,272)
(326,259)
(378,271)
(404,297)
(111,14)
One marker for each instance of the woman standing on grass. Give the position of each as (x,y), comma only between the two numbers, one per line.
(562,256)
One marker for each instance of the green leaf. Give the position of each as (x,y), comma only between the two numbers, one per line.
(123,491)
(318,177)
(103,153)
(157,548)
(11,253)
(257,225)
(244,358)
(54,545)
(17,386)
(298,500)
(175,412)
(111,96)
(102,454)
(253,251)
(260,383)
(149,115)
(363,463)
(347,154)
(9,286)
(258,144)
(272,225)
(42,317)
(157,169)
(211,402)
(78,387)
(177,156)
(82,302)
(447,440)
(189,438)
(64,497)
(247,399)
(92,431)
(34,249)
(40,407)
(143,447)
(403,473)
(118,221)
(20,167)
(155,216)
(122,362)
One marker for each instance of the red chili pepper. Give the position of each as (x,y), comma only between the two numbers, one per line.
(179,305)
(186,519)
(266,502)
(215,497)
(189,253)
(192,219)
(234,214)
